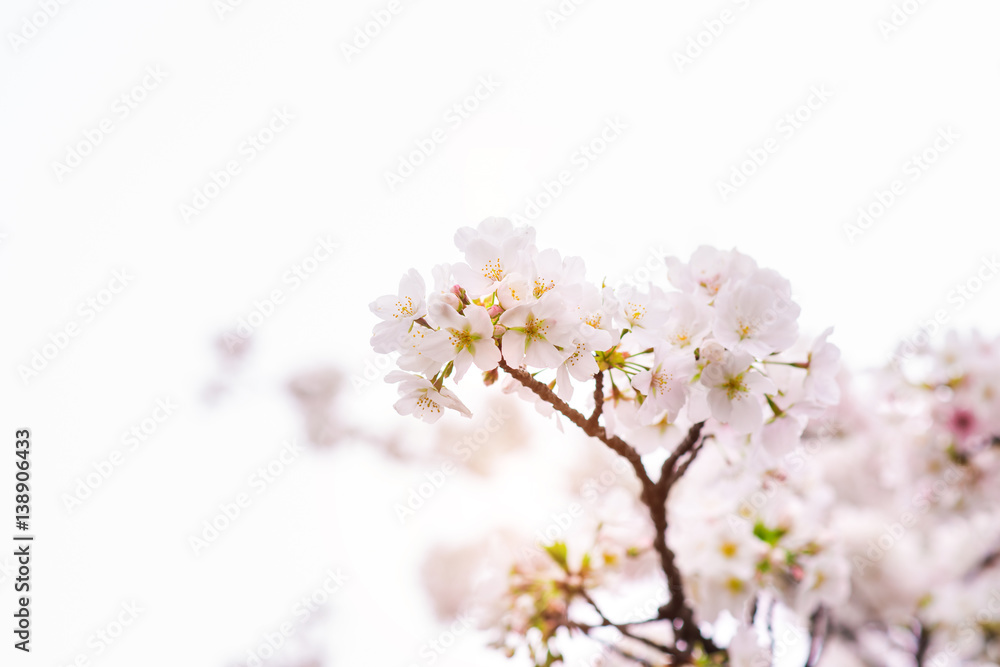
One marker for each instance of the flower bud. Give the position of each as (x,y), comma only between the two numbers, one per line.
(499,330)
(713,352)
(459,292)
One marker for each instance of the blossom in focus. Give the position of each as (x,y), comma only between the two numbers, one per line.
(736,391)
(756,316)
(420,398)
(465,338)
(492,251)
(398,312)
(536,334)
(664,387)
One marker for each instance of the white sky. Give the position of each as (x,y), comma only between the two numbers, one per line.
(655,187)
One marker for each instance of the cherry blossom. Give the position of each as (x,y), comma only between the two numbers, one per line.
(736,391)
(536,334)
(398,312)
(465,338)
(664,386)
(420,398)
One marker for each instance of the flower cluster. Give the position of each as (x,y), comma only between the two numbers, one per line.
(742,534)
(917,485)
(709,347)
(716,351)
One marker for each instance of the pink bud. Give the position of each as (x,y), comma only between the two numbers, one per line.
(495,310)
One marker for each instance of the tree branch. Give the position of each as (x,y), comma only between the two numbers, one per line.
(654,496)
(669,473)
(624,627)
(598,398)
(817,636)
(923,642)
(594,430)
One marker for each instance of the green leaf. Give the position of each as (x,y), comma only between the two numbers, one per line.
(769,535)
(557,550)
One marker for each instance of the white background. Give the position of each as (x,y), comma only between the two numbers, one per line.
(655,187)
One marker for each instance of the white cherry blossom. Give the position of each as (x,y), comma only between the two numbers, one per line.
(665,386)
(465,338)
(736,391)
(537,334)
(420,398)
(398,312)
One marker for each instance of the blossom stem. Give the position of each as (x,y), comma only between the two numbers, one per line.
(793,364)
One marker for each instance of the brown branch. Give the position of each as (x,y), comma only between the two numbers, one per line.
(817,635)
(654,496)
(598,398)
(985,563)
(611,646)
(624,627)
(923,642)
(594,430)
(669,472)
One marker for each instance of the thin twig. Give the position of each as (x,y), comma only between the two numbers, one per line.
(654,496)
(624,628)
(667,472)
